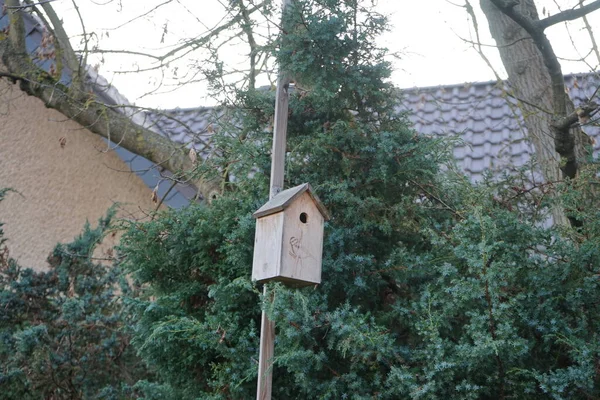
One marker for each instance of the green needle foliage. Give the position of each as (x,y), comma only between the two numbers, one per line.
(432,288)
(62,333)
(198,324)
(502,307)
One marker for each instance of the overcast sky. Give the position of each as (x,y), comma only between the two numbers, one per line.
(429,34)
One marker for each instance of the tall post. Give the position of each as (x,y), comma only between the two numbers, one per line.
(279,133)
(267,327)
(267,347)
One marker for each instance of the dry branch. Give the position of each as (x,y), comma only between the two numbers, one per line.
(81,105)
(568,15)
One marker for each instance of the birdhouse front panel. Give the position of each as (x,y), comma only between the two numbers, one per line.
(267,247)
(302,241)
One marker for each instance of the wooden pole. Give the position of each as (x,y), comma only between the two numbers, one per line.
(267,327)
(279,135)
(267,346)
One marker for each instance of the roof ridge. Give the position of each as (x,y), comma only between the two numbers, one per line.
(482,83)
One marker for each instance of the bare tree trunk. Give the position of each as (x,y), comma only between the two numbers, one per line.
(531,82)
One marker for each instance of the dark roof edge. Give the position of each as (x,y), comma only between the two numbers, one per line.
(188,109)
(482,83)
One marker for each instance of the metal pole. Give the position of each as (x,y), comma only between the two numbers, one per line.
(267,327)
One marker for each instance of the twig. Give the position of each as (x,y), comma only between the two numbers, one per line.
(568,15)
(28,5)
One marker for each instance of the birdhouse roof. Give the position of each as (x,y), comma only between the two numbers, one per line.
(286,197)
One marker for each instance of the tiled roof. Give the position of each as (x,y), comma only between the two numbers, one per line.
(488,124)
(192,126)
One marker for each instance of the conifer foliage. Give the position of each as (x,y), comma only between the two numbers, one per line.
(432,287)
(199,324)
(62,333)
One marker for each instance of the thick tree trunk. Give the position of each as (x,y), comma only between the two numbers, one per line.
(530,82)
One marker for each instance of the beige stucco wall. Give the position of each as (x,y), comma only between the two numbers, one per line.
(59,187)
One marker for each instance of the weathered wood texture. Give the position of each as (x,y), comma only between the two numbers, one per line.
(285,198)
(267,335)
(267,247)
(265,363)
(288,244)
(302,244)
(279,135)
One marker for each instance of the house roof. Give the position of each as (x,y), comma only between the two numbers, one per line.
(193,127)
(487,122)
(489,125)
(286,197)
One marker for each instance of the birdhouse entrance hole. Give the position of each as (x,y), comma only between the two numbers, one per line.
(287,246)
(303,217)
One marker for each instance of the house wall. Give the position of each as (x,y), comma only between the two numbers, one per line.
(58,188)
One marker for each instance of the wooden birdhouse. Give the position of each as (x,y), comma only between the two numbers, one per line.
(288,245)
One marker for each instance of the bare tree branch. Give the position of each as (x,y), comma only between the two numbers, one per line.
(247,28)
(60,35)
(477,44)
(83,61)
(25,6)
(589,30)
(142,15)
(16,33)
(129,52)
(57,48)
(583,113)
(196,43)
(102,120)
(567,15)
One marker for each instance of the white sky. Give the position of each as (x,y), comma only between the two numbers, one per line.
(428,32)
